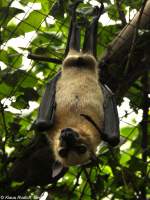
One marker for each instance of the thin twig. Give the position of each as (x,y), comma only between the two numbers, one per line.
(6,137)
(82,193)
(121,13)
(93,193)
(76,183)
(4,123)
(44,58)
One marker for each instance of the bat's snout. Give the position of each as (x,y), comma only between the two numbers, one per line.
(69,142)
(68,137)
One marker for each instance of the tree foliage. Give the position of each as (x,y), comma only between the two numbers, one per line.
(120,173)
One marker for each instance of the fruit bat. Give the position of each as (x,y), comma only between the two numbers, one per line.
(76,110)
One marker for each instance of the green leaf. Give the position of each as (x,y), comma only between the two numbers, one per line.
(136,4)
(136,164)
(31,23)
(134,94)
(51,38)
(112,12)
(30,94)
(20,103)
(11,58)
(27,94)
(57,10)
(9,33)
(4,90)
(4,56)
(15,184)
(29,82)
(130,133)
(33,1)
(14,126)
(8,119)
(7,13)
(104,37)
(46,5)
(124,158)
(13,77)
(14,58)
(24,79)
(4,3)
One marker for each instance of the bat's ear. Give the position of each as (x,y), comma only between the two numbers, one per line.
(57,169)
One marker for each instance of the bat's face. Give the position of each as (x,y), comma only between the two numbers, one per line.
(73,148)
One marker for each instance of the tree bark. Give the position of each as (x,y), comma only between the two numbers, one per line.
(115,59)
(123,41)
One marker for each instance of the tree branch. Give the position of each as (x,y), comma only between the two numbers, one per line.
(144,127)
(121,44)
(44,58)
(135,34)
(115,58)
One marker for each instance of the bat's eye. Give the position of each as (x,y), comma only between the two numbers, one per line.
(82,148)
(63,152)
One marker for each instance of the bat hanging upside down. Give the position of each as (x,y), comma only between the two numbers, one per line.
(76,110)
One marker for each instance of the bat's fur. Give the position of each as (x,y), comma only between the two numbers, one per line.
(78,92)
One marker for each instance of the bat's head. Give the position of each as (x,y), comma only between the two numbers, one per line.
(74,147)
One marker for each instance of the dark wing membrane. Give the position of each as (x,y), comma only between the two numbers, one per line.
(47,107)
(36,164)
(110,131)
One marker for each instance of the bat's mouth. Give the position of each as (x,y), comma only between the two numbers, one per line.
(70,141)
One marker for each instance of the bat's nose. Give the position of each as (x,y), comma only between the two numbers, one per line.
(70,142)
(68,137)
